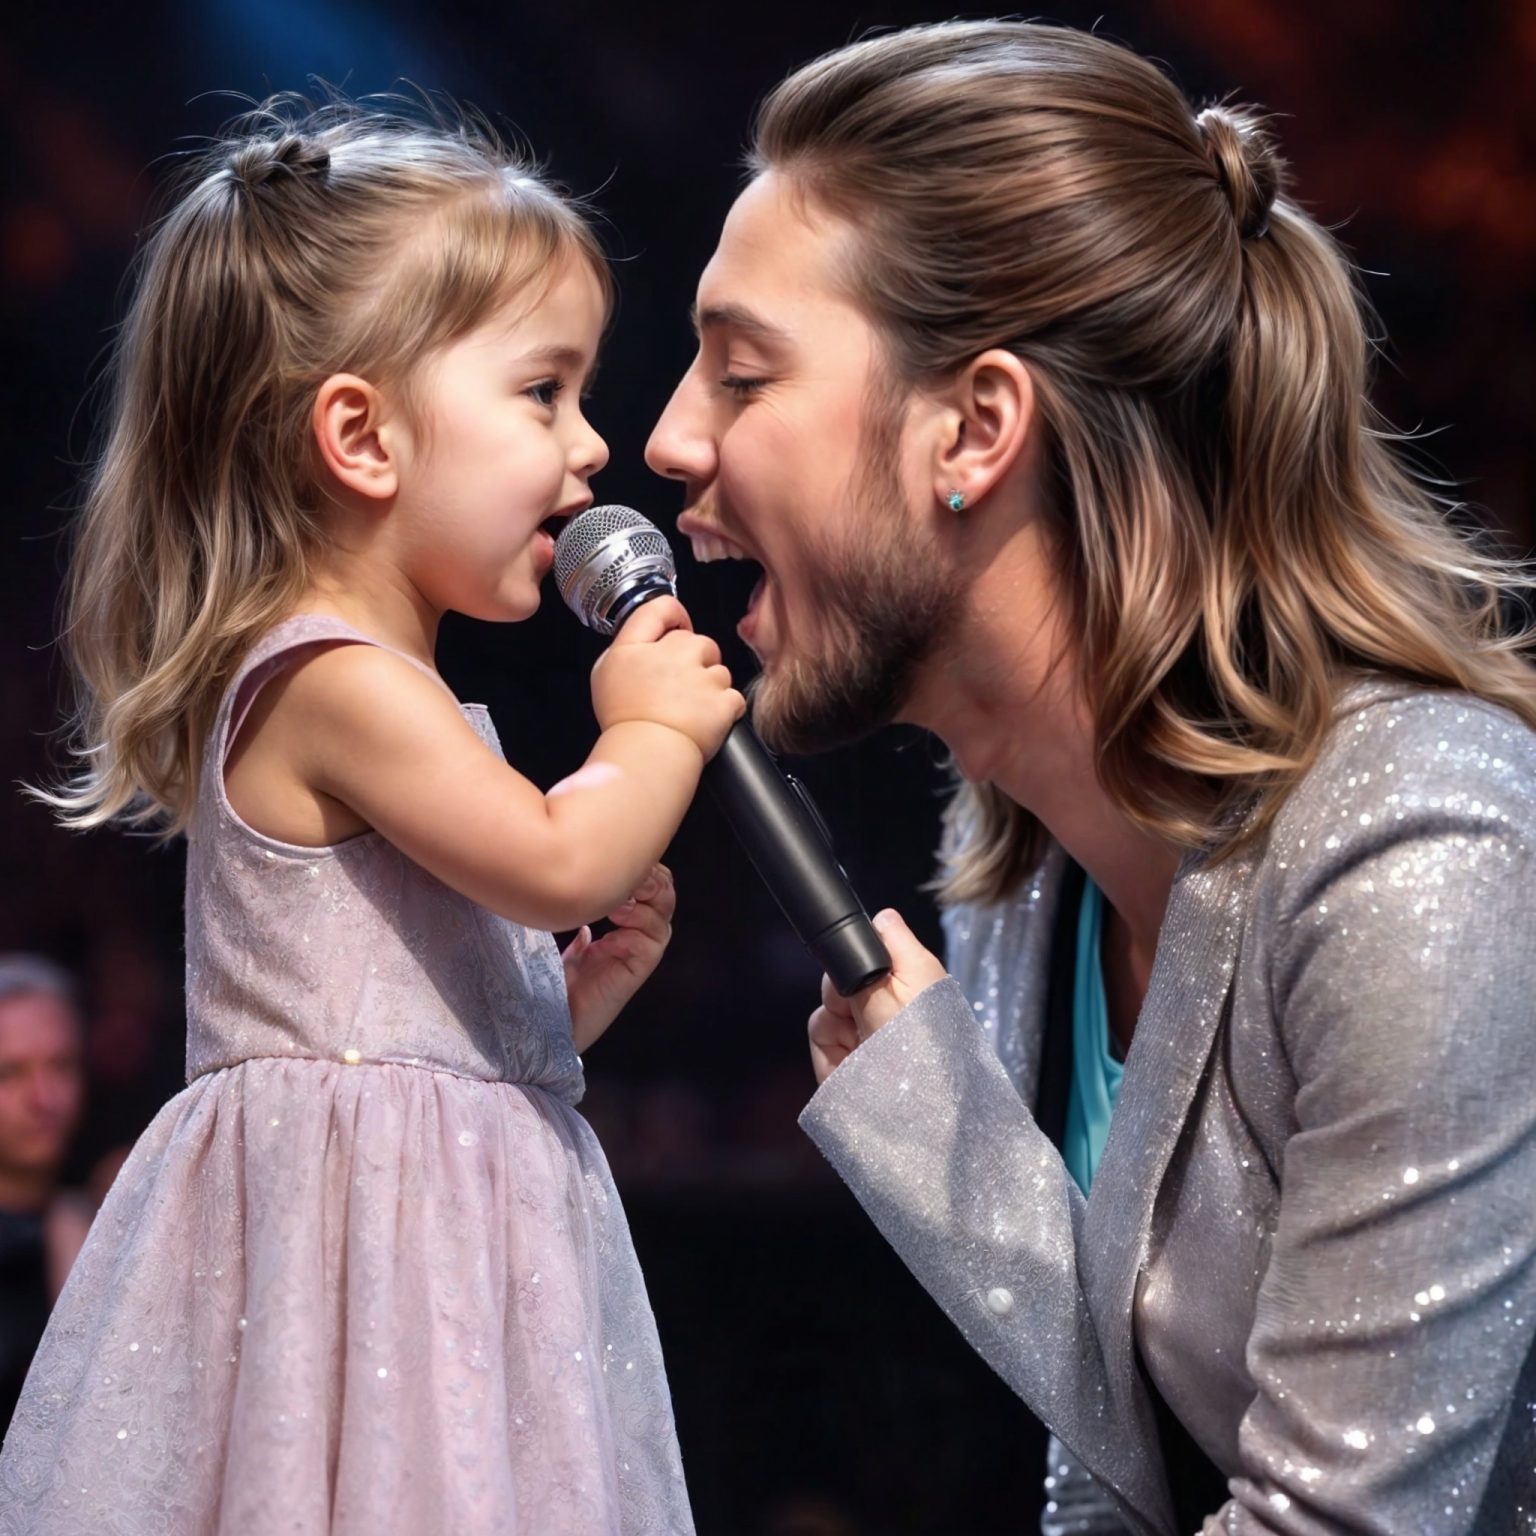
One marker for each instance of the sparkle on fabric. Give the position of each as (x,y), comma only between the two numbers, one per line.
(382,1022)
(1345,1012)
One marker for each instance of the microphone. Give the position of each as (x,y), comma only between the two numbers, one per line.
(610,560)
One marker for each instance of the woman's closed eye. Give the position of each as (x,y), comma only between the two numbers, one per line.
(740,385)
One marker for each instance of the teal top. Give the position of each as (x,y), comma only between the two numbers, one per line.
(1096,1073)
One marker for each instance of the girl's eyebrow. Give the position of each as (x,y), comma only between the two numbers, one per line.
(556,356)
(564,359)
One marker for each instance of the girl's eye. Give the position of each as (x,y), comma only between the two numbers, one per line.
(742,388)
(545,392)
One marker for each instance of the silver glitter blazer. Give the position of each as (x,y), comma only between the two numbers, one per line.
(1314,1224)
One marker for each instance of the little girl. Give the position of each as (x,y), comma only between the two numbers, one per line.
(368,1274)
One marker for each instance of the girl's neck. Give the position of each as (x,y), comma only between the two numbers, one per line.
(379,602)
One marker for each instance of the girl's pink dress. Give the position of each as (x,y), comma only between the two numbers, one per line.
(368,1273)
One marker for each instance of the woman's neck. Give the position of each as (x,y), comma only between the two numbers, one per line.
(1004,701)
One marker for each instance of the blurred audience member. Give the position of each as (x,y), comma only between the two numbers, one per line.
(42,1225)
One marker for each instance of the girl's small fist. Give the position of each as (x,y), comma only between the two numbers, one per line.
(666,674)
(601,975)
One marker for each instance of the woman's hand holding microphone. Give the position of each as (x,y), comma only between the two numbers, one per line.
(842,1024)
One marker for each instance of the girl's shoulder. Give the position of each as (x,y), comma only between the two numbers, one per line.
(297,638)
(300,631)
(314,698)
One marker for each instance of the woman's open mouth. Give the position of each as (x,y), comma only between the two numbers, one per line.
(749,626)
(711,547)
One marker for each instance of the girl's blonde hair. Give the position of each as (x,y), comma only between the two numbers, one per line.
(307,240)
(1235,535)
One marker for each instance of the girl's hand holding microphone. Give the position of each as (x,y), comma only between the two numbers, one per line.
(657,671)
(665,703)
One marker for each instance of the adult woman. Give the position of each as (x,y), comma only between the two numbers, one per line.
(1042,407)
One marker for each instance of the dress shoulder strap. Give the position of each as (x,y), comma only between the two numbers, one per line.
(276,650)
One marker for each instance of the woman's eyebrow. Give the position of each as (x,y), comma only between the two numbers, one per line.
(735,317)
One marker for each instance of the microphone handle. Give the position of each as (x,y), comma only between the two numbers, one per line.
(785,838)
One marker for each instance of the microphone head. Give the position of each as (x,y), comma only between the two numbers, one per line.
(608,560)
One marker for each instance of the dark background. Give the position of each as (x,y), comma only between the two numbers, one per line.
(817,1390)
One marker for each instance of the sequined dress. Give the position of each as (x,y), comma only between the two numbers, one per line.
(368,1273)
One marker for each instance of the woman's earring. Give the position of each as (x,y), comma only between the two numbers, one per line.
(957,501)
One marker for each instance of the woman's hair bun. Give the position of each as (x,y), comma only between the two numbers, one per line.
(255,162)
(1246,162)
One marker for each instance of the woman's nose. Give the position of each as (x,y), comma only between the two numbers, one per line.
(681,446)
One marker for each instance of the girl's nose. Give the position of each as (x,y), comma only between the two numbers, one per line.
(591,454)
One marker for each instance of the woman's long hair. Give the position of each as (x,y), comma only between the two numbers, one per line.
(1235,535)
(306,241)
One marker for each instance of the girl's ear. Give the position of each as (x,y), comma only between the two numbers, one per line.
(349,424)
(987,417)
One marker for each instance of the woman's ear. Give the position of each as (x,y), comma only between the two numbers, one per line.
(352,438)
(986,424)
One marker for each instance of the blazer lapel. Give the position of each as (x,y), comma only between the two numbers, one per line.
(1188,994)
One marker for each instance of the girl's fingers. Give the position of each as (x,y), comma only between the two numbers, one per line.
(662,892)
(650,621)
(656,891)
(642,917)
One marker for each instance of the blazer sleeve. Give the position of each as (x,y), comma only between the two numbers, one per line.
(924,1125)
(1399,1305)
